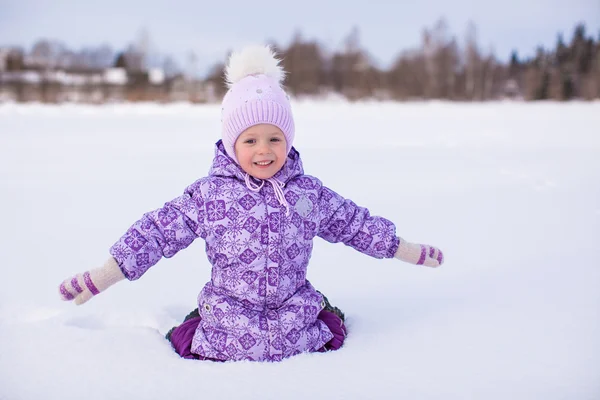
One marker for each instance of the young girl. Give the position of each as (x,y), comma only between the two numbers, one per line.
(258,214)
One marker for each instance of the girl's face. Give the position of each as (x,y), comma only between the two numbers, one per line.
(261,150)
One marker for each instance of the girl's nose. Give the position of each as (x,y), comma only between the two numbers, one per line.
(263,149)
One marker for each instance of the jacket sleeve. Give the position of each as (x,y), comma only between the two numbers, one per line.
(161,233)
(344,221)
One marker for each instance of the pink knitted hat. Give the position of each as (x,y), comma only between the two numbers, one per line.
(255,96)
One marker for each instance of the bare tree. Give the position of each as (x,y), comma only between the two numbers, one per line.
(216,77)
(351,70)
(170,67)
(304,64)
(537,77)
(441,61)
(473,64)
(45,54)
(15,60)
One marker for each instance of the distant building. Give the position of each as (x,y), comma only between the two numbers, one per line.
(35,79)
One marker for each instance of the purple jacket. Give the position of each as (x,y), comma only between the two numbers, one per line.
(258,304)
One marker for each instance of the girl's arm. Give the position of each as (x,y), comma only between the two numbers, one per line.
(344,221)
(159,233)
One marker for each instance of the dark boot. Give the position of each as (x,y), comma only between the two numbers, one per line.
(193,314)
(330,308)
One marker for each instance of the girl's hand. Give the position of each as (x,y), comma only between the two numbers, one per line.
(83,287)
(419,254)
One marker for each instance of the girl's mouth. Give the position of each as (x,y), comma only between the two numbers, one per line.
(263,164)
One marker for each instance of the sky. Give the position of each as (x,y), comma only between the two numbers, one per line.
(211,29)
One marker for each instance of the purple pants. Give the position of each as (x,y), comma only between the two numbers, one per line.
(182,336)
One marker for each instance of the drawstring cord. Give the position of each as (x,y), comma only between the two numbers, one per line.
(252,186)
(277,187)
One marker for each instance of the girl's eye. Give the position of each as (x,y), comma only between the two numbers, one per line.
(250,141)
(275,140)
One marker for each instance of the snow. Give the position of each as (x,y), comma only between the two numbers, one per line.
(156,76)
(115,76)
(25,76)
(509,191)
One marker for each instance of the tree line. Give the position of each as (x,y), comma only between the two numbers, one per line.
(441,67)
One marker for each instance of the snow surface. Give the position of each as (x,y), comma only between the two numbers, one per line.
(509,191)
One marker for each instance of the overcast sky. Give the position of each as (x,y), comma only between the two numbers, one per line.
(211,28)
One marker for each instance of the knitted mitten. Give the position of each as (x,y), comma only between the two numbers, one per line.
(419,254)
(83,287)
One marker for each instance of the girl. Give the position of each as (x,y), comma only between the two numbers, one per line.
(258,214)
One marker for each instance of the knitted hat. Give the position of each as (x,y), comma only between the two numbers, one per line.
(255,96)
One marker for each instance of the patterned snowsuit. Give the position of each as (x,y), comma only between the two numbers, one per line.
(258,304)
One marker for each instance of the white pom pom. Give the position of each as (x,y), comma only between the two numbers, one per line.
(253,60)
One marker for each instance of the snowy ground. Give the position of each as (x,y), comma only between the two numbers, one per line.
(510,192)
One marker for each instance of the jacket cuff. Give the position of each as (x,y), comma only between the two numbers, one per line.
(393,249)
